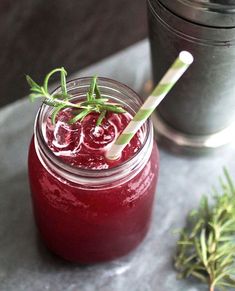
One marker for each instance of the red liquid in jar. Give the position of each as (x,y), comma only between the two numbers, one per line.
(83,224)
(84,144)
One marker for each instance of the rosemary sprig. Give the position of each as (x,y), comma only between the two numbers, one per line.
(206,248)
(93,103)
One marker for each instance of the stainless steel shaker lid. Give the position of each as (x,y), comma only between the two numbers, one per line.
(216,13)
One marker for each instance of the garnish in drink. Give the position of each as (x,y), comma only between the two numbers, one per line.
(94,102)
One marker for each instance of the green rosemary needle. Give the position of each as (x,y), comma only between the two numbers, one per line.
(206,248)
(93,103)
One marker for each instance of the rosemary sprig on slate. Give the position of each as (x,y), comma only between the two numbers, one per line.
(206,248)
(93,103)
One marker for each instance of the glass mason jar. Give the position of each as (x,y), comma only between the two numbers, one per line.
(89,216)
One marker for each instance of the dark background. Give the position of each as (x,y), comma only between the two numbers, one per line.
(39,35)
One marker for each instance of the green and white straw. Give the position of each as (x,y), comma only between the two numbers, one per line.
(174,73)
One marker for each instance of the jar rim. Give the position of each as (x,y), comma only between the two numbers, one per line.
(132,162)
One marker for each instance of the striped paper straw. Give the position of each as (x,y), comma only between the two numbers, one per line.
(177,69)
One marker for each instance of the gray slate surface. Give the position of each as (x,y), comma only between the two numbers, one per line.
(26,265)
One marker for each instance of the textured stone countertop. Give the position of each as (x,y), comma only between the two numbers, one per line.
(26,265)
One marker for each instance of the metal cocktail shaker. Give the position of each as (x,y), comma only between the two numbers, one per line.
(199,113)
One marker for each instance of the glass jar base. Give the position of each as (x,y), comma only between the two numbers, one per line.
(83,259)
(194,144)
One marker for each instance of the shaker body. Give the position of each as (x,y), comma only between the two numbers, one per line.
(203,101)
